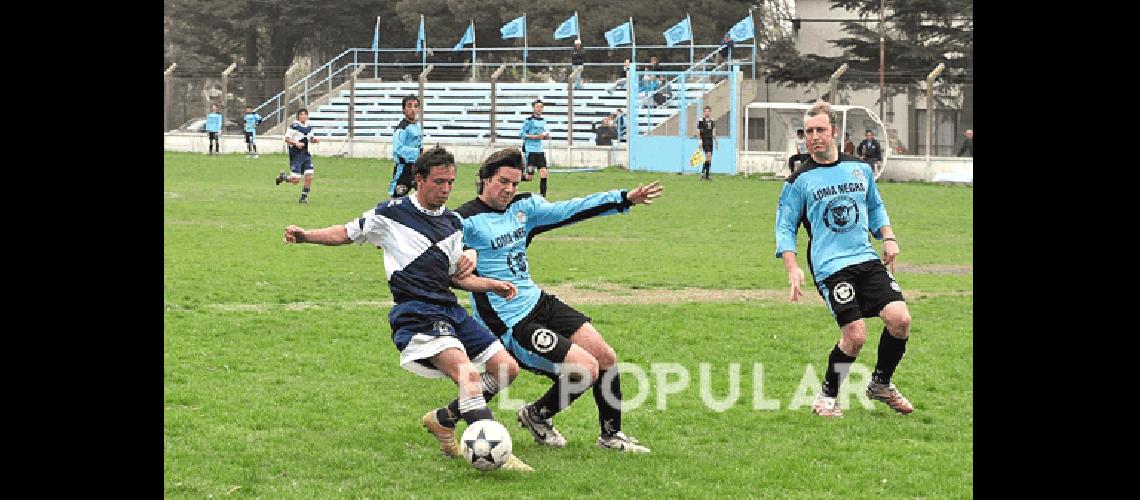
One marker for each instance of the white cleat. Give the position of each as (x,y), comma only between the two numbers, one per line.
(619,441)
(542,429)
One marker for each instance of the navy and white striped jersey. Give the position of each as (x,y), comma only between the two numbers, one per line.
(299,132)
(838,204)
(501,237)
(421,247)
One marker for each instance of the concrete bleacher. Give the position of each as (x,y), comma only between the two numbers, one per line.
(459,111)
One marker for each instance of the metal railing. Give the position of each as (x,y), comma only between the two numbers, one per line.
(304,89)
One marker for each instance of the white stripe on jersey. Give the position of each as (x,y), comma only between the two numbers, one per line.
(402,244)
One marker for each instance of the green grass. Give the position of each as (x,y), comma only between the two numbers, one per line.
(294,402)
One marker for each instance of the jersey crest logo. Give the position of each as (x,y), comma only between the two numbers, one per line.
(543,340)
(401,189)
(858,175)
(516,261)
(521,217)
(844,292)
(841,214)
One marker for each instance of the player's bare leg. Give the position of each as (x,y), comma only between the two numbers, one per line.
(892,345)
(826,404)
(607,391)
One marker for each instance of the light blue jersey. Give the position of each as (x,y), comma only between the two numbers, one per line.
(214,122)
(838,204)
(406,142)
(533,125)
(501,237)
(252,120)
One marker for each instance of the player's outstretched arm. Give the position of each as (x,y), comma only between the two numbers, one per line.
(332,235)
(472,283)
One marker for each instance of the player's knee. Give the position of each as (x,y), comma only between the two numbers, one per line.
(856,338)
(899,325)
(512,368)
(606,357)
(583,365)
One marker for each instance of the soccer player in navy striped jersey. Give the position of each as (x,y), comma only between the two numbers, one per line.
(298,137)
(407,144)
(835,197)
(423,246)
(546,335)
(251,120)
(532,133)
(214,129)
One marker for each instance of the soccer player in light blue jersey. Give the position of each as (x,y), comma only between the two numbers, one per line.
(214,129)
(251,120)
(532,133)
(407,144)
(546,335)
(836,199)
(423,246)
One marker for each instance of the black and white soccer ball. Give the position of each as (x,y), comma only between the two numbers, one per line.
(486,445)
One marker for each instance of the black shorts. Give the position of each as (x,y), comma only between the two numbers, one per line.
(248,137)
(212,135)
(707,146)
(535,161)
(859,291)
(545,333)
(403,179)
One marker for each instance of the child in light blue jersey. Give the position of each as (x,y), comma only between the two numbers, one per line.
(251,120)
(214,129)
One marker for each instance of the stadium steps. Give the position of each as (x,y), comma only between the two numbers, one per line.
(458,111)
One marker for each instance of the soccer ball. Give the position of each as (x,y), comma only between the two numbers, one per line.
(486,445)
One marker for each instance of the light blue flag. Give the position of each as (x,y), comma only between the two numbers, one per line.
(679,33)
(743,30)
(421,39)
(376,35)
(514,29)
(620,35)
(468,37)
(567,29)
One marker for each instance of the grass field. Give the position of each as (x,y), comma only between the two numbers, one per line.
(280,378)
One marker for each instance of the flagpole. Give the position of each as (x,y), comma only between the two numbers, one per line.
(755,42)
(524,47)
(376,51)
(473,76)
(691,36)
(423,60)
(633,37)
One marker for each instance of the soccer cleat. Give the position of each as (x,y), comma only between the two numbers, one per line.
(280,178)
(888,394)
(826,407)
(619,441)
(514,463)
(542,429)
(303,201)
(445,435)
(255,155)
